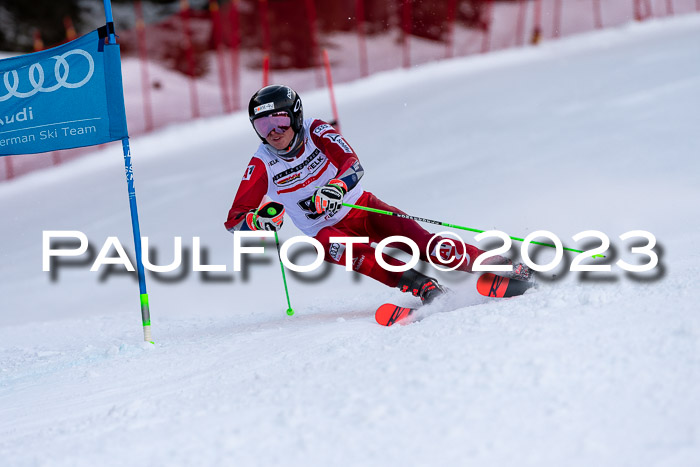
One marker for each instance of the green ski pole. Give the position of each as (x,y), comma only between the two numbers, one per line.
(272,211)
(430,221)
(290,311)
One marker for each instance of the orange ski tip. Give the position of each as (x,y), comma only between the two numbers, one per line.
(491,285)
(389,314)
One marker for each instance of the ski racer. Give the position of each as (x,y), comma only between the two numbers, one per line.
(308,170)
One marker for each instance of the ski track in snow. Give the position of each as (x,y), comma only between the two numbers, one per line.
(592,132)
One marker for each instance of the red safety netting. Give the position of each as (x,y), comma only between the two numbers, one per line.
(200,63)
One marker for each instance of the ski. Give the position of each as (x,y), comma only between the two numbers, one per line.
(491,285)
(389,314)
(488,285)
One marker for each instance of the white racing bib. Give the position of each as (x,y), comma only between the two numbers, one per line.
(293,183)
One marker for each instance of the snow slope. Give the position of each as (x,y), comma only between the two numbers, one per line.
(593,132)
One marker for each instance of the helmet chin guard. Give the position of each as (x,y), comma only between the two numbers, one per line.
(279,98)
(290,153)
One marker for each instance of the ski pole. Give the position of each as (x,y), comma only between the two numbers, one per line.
(445,224)
(290,311)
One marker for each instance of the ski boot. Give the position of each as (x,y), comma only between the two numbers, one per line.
(421,286)
(522,273)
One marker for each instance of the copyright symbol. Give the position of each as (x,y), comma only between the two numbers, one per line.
(451,249)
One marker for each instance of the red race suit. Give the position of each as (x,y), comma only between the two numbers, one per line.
(327,156)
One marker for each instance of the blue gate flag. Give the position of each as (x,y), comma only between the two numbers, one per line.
(65,97)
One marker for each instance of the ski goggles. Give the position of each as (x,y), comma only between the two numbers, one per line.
(278,122)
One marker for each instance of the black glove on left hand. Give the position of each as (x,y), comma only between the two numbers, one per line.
(329,198)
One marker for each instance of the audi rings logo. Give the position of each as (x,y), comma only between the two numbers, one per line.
(36,77)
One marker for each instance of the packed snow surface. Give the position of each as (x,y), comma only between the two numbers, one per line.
(595,132)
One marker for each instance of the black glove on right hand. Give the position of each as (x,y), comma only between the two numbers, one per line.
(269,216)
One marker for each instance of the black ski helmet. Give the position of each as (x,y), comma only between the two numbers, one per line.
(279,98)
